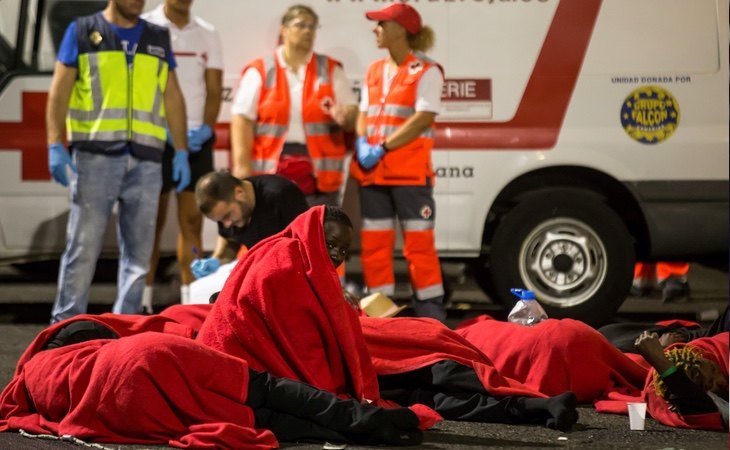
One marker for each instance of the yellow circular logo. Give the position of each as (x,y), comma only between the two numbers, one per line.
(650,114)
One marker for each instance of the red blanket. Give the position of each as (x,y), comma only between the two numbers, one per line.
(555,356)
(716,349)
(400,345)
(151,388)
(283,311)
(191,316)
(121,324)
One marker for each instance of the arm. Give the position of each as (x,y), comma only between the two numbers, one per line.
(223,250)
(242,134)
(344,111)
(361,125)
(213,95)
(344,115)
(175,111)
(59,94)
(687,396)
(411,129)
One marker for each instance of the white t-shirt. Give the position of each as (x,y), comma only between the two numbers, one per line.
(197,47)
(428,92)
(246,100)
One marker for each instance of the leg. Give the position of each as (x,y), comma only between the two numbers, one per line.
(360,423)
(94,190)
(137,216)
(191,228)
(644,279)
(415,207)
(150,279)
(377,238)
(189,217)
(672,277)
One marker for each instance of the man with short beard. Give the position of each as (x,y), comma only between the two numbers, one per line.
(247,211)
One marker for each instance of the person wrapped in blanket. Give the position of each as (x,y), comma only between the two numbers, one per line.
(689,384)
(94,380)
(283,311)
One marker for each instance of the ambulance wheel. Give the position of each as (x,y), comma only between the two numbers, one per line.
(570,248)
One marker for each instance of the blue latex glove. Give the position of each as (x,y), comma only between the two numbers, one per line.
(58,159)
(204,266)
(369,155)
(198,136)
(181,170)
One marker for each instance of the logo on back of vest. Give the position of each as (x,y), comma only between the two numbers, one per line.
(155,50)
(95,38)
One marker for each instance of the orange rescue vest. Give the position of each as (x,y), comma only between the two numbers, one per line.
(324,138)
(409,164)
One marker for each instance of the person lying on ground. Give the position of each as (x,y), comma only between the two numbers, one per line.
(624,335)
(554,356)
(157,388)
(283,311)
(686,386)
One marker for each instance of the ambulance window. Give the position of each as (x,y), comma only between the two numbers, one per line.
(59,14)
(8,33)
(655,37)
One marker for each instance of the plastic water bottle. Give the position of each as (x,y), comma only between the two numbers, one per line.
(527,311)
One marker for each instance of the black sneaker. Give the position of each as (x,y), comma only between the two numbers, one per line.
(674,289)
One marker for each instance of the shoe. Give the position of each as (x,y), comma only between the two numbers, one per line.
(674,289)
(429,308)
(643,291)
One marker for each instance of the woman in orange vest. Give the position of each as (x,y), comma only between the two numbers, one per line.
(399,102)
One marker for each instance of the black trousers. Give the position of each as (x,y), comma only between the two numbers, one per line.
(453,390)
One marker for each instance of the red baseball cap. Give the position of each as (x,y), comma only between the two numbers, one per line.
(400,13)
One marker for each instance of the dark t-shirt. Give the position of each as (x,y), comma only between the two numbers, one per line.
(278,203)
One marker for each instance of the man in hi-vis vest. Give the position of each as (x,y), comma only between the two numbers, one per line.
(114,86)
(290,111)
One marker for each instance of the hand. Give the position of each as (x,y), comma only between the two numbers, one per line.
(648,345)
(204,266)
(670,338)
(198,136)
(181,170)
(351,299)
(368,155)
(58,159)
(338,114)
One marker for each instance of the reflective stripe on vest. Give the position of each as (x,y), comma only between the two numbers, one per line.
(409,164)
(325,138)
(110,102)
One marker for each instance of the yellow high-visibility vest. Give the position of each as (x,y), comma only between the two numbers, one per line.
(113,103)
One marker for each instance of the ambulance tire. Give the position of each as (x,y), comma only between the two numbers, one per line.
(570,248)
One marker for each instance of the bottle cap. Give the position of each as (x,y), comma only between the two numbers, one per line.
(523,294)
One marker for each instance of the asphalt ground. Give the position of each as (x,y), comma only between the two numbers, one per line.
(26,296)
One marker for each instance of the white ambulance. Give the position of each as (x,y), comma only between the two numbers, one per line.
(576,136)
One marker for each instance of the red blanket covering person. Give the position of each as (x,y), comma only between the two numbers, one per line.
(716,349)
(121,324)
(399,345)
(151,388)
(283,311)
(556,355)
